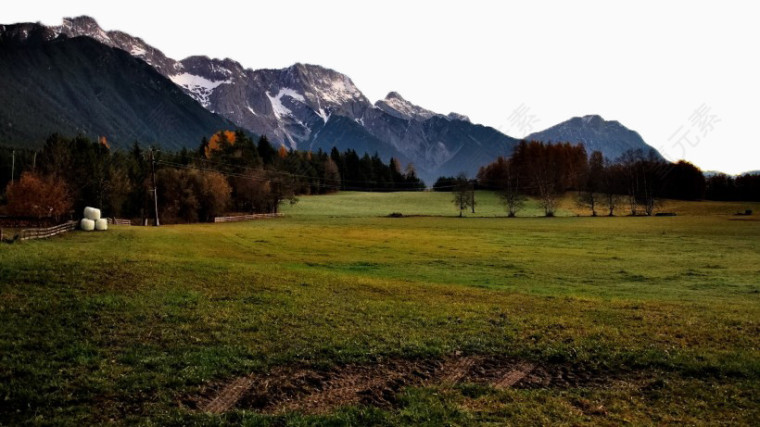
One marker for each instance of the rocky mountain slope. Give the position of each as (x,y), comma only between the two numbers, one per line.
(53,83)
(308,107)
(596,134)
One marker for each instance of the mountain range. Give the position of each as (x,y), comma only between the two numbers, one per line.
(304,107)
(80,86)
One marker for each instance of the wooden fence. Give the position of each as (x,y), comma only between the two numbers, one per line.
(246,217)
(43,233)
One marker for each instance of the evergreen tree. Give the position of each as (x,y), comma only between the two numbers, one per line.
(266,151)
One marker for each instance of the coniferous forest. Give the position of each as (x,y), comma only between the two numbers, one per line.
(230,172)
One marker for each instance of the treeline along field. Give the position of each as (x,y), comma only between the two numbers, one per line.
(635,183)
(231,173)
(228,173)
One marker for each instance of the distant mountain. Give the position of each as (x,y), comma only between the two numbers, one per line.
(596,134)
(54,83)
(305,107)
(308,107)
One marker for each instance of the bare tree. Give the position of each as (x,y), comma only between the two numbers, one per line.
(611,186)
(503,176)
(472,195)
(546,172)
(510,193)
(629,162)
(588,195)
(652,171)
(463,194)
(545,180)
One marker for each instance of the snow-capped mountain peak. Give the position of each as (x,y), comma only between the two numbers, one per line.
(395,105)
(323,86)
(87,26)
(457,116)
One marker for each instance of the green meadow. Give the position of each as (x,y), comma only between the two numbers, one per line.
(131,325)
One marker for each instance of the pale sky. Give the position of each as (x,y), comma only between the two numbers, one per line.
(684,74)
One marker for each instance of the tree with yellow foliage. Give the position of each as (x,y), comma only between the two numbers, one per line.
(220,141)
(282,152)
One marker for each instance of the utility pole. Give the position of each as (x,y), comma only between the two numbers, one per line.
(155,190)
(13,164)
(472,195)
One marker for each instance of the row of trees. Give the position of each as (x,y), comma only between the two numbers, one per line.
(635,181)
(228,172)
(369,173)
(723,187)
(314,172)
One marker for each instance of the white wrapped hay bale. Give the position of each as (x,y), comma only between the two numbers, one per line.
(87,224)
(101,224)
(92,213)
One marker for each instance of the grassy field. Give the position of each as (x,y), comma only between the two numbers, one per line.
(361,205)
(659,317)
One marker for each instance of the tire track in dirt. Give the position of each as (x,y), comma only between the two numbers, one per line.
(316,391)
(514,376)
(229,396)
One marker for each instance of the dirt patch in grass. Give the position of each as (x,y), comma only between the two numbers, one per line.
(318,391)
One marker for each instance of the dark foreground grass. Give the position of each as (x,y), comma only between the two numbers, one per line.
(129,325)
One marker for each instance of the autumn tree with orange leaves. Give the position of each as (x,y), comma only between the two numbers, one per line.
(220,141)
(38,196)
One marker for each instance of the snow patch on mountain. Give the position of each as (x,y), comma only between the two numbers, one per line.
(338,91)
(220,69)
(324,115)
(279,109)
(137,51)
(200,88)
